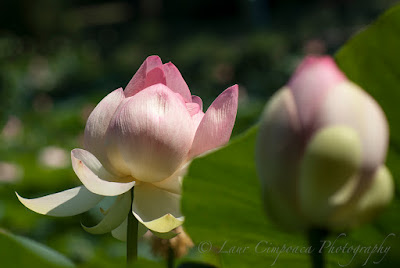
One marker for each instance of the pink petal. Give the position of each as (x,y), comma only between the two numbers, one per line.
(197,99)
(312,80)
(197,119)
(216,127)
(152,134)
(138,80)
(155,76)
(98,122)
(176,82)
(193,108)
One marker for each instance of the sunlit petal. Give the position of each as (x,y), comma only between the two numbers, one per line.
(216,126)
(66,203)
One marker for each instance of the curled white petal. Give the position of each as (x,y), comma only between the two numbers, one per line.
(115,215)
(95,177)
(66,203)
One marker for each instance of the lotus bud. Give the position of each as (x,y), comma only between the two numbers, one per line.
(320,151)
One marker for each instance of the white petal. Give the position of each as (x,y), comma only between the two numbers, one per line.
(174,183)
(95,177)
(115,215)
(157,209)
(67,203)
(98,122)
(280,122)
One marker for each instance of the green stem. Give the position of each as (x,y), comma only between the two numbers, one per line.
(132,236)
(170,256)
(315,240)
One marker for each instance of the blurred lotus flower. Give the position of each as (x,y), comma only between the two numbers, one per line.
(9,172)
(143,136)
(53,157)
(320,151)
(12,128)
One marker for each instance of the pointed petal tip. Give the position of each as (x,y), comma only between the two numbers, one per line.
(234,90)
(153,58)
(235,87)
(311,60)
(20,198)
(137,82)
(152,61)
(170,64)
(176,82)
(66,203)
(323,67)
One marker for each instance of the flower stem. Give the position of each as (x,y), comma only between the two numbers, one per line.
(132,236)
(315,240)
(170,256)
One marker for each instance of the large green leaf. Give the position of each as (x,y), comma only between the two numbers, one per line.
(18,251)
(372,60)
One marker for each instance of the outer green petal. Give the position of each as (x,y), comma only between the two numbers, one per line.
(120,232)
(115,215)
(327,180)
(157,209)
(67,203)
(377,197)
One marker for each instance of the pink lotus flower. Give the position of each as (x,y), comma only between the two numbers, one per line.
(143,136)
(321,151)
